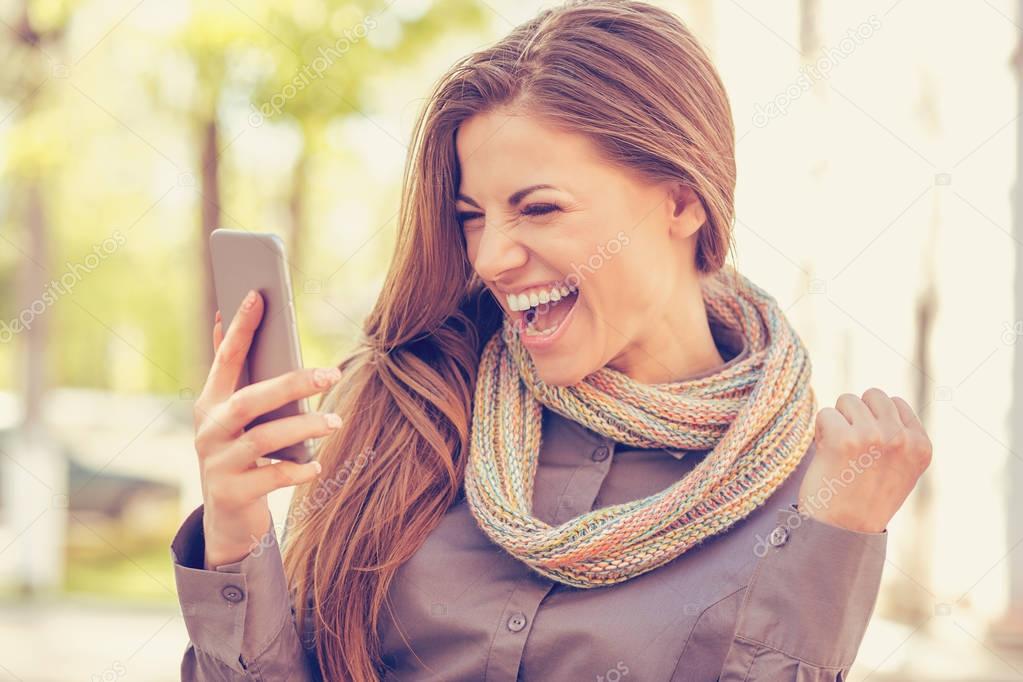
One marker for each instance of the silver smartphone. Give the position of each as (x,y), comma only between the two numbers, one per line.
(244,260)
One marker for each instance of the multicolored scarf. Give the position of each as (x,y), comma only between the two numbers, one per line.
(755,416)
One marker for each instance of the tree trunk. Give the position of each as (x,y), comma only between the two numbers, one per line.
(910,603)
(33,282)
(36,513)
(297,205)
(1009,629)
(210,220)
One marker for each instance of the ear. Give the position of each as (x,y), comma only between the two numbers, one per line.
(686,211)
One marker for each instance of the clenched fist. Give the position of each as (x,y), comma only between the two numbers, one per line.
(870,453)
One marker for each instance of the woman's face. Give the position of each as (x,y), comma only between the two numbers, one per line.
(596,258)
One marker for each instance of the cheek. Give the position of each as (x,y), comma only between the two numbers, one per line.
(471,249)
(627,284)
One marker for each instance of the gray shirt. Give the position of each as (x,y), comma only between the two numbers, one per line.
(778,596)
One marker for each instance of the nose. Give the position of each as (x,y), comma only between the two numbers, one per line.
(497,252)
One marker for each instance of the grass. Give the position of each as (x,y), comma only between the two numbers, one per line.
(146,575)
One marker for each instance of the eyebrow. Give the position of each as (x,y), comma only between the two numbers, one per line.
(514,199)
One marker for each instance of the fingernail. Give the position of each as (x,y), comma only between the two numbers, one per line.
(325,376)
(250,300)
(317,466)
(333,420)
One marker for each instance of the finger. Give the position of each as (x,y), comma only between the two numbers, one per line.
(882,407)
(230,356)
(853,409)
(830,425)
(218,334)
(251,401)
(907,415)
(264,480)
(269,437)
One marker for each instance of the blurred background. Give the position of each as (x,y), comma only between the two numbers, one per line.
(878,156)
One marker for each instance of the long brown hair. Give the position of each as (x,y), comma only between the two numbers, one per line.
(632,78)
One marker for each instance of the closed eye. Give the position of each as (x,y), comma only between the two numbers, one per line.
(531,210)
(464,216)
(539,209)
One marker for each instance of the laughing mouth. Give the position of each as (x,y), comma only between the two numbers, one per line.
(541,312)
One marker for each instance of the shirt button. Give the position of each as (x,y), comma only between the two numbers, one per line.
(600,454)
(779,536)
(232,593)
(517,621)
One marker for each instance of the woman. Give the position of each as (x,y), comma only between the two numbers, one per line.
(575,444)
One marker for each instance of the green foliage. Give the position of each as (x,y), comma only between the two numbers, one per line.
(103,104)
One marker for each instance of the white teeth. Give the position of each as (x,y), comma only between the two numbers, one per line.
(520,302)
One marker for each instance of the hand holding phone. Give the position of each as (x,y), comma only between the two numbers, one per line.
(234,484)
(243,261)
(253,405)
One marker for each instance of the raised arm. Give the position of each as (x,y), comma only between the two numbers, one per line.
(808,602)
(812,592)
(227,563)
(239,616)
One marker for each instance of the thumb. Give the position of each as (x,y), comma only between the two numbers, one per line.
(218,332)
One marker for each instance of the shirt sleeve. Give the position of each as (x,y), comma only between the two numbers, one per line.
(239,616)
(808,602)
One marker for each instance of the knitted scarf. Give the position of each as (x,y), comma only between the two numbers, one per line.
(755,417)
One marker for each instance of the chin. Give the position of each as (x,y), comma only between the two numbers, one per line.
(554,372)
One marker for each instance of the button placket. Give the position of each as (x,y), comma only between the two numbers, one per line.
(517,621)
(583,485)
(504,660)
